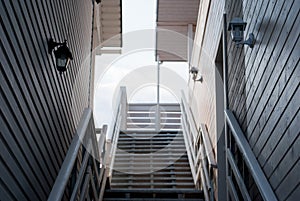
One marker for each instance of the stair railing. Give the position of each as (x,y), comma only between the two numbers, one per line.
(239,141)
(119,120)
(81,174)
(199,151)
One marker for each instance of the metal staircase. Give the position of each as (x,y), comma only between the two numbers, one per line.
(150,161)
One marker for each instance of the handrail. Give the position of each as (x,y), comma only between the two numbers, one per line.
(187,140)
(120,123)
(203,155)
(254,168)
(238,176)
(89,175)
(207,145)
(114,141)
(61,182)
(80,175)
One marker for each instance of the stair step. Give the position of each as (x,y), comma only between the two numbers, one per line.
(133,178)
(148,151)
(143,163)
(157,160)
(146,143)
(156,154)
(151,134)
(154,194)
(146,159)
(139,184)
(154,139)
(152,199)
(156,173)
(151,146)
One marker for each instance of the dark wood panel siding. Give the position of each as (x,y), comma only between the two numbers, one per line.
(40,108)
(264,88)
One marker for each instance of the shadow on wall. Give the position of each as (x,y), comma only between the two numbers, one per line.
(236,67)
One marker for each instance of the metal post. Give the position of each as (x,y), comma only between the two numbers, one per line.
(225,78)
(157,119)
(190,42)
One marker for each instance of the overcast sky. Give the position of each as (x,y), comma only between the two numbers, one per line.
(135,67)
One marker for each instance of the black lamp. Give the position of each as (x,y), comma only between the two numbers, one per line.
(237,27)
(62,54)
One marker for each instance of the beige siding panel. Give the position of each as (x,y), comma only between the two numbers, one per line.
(111,23)
(203,95)
(172,43)
(178,11)
(174,15)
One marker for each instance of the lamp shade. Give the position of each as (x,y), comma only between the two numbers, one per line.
(63,57)
(237,27)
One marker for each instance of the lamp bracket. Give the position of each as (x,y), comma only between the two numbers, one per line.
(250,41)
(200,79)
(52,44)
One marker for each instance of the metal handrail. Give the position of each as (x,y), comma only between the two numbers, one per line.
(197,160)
(61,182)
(255,170)
(208,148)
(85,134)
(187,140)
(120,123)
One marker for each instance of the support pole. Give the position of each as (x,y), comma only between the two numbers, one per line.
(157,119)
(190,42)
(225,78)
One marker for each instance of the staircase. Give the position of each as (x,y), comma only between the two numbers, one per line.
(151,165)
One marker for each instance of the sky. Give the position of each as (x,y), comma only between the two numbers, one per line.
(135,67)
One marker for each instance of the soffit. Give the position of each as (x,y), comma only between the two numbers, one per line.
(174,15)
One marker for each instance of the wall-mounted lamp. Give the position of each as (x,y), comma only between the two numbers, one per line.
(194,71)
(237,27)
(62,54)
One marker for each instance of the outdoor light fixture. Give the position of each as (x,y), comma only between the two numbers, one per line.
(62,54)
(237,27)
(194,71)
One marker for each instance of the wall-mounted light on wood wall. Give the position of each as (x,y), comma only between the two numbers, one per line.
(237,27)
(62,54)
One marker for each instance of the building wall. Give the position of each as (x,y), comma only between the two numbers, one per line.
(208,35)
(40,108)
(264,88)
(206,98)
(263,84)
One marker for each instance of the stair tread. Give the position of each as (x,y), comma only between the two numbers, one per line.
(142,150)
(154,179)
(152,199)
(151,190)
(152,183)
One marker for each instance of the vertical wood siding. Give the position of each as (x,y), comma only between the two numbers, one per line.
(202,97)
(40,108)
(264,88)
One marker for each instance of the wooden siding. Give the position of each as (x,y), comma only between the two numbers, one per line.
(111,23)
(40,108)
(263,84)
(173,17)
(264,88)
(203,96)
